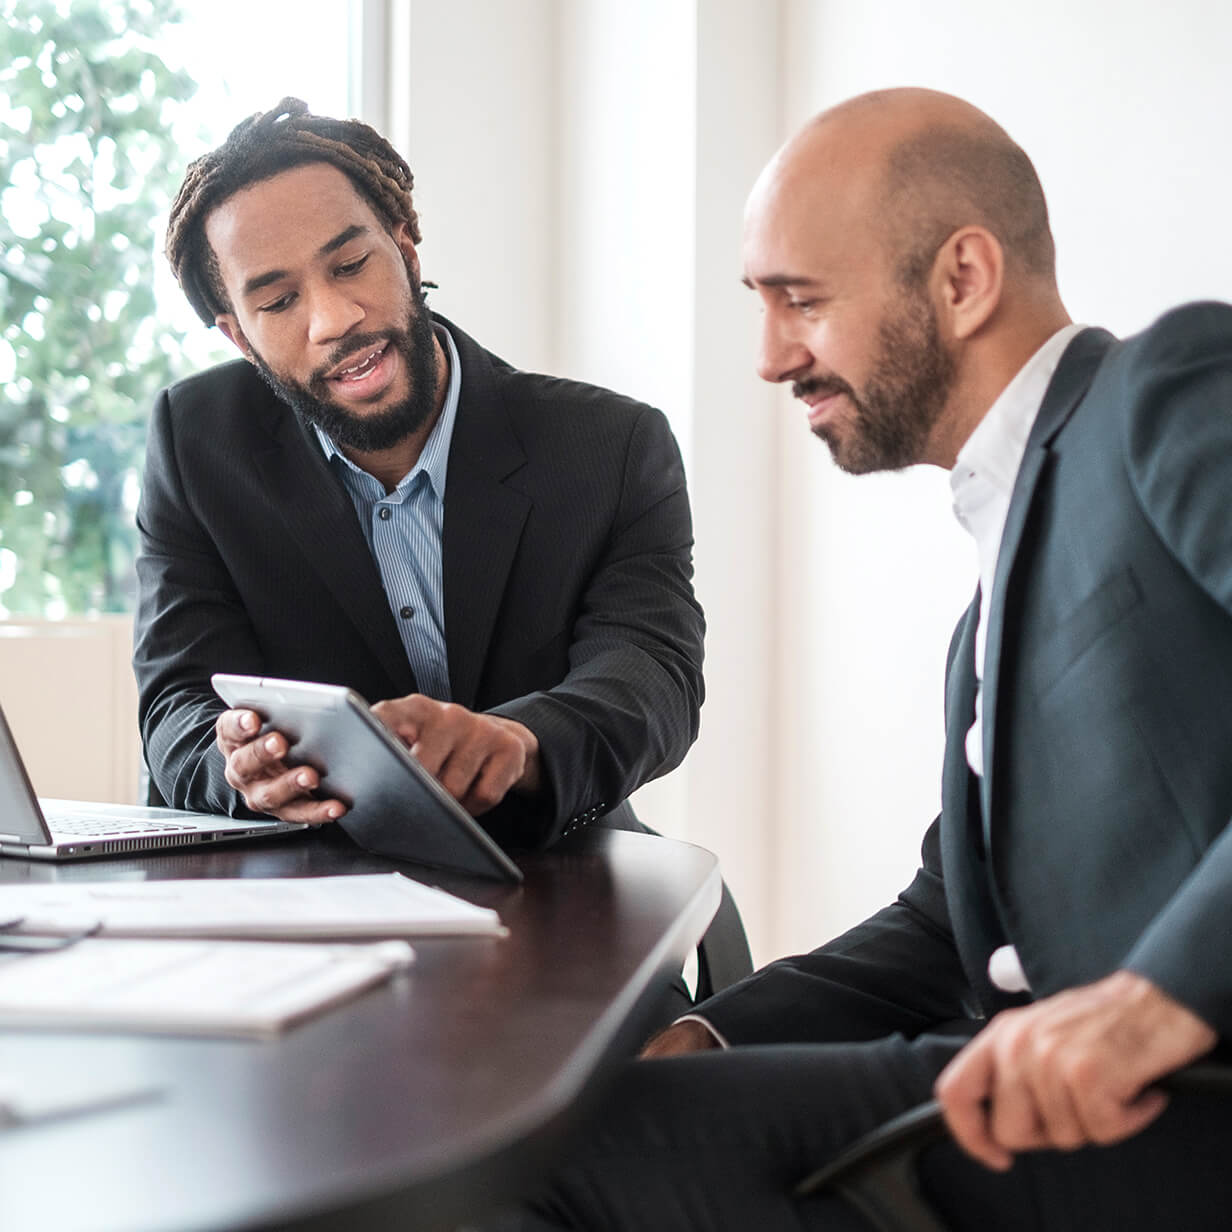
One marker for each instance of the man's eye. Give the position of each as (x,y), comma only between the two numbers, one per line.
(802,305)
(281,304)
(353,267)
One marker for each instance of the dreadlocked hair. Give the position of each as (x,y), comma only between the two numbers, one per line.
(258,149)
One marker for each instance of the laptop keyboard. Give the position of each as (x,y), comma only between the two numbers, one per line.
(93,824)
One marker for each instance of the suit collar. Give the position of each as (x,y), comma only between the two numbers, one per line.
(484,431)
(485,511)
(969,888)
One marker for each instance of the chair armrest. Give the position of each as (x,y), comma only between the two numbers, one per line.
(877,1174)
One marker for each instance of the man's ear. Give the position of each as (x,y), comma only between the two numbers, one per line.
(229,326)
(402,237)
(968,279)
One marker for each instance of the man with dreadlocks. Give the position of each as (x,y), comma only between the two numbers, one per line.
(500,560)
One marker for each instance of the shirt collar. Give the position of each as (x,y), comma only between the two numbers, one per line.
(433,460)
(993,452)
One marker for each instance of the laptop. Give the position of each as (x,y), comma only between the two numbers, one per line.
(72,830)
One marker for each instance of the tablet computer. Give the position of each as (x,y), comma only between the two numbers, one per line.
(395,808)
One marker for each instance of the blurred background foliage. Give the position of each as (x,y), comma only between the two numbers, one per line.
(88,168)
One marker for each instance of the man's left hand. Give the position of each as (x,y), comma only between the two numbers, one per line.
(478,758)
(1071,1070)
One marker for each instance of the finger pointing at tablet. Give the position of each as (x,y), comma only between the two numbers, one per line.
(478,758)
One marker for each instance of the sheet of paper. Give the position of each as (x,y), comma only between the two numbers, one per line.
(200,987)
(365,905)
(31,1098)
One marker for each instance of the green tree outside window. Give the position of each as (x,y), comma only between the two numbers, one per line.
(88,168)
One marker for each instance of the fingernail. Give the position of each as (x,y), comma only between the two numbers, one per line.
(303,780)
(271,744)
(248,721)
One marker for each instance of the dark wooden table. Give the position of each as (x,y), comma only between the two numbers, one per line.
(422,1102)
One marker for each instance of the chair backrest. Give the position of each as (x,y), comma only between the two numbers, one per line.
(723,955)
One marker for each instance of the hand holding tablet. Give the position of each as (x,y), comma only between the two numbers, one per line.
(394,806)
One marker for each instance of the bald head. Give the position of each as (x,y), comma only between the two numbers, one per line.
(923,164)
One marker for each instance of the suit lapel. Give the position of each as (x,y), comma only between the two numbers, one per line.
(968,885)
(1069,384)
(318,515)
(484,516)
(957,838)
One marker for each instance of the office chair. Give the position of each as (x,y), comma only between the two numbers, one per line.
(723,952)
(723,955)
(878,1175)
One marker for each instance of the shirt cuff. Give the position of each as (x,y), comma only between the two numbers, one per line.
(1005,970)
(715,1034)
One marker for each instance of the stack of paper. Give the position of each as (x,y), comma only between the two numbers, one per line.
(186,972)
(370,905)
(252,988)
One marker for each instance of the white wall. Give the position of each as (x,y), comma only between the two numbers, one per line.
(471,101)
(581,168)
(71,701)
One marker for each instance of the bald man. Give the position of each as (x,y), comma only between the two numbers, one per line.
(1063,944)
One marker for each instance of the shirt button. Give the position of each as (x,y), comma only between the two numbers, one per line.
(406,612)
(384,514)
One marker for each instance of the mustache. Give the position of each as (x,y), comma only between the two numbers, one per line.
(823,387)
(354,346)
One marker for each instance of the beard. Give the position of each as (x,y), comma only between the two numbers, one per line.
(377,430)
(901,402)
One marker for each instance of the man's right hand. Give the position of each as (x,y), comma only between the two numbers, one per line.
(256,769)
(678,1039)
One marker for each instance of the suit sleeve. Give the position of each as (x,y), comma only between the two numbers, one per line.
(189,619)
(898,971)
(627,709)
(1179,456)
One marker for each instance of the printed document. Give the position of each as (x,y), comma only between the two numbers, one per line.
(205,987)
(364,905)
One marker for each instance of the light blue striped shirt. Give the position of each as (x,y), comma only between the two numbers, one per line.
(403,530)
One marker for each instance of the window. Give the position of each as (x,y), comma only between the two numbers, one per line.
(102,103)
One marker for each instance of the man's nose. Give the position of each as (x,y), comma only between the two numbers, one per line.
(332,314)
(780,355)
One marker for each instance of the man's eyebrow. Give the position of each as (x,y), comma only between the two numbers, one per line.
(343,237)
(780,280)
(260,281)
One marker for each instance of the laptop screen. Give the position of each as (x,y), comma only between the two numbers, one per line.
(21,819)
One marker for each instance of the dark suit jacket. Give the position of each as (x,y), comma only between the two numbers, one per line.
(567,580)
(1102,837)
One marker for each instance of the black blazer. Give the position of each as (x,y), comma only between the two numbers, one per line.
(1101,840)
(567,580)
